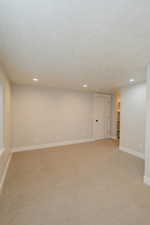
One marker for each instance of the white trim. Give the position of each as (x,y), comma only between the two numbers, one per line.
(99,139)
(2,179)
(147,180)
(103,95)
(42,146)
(132,152)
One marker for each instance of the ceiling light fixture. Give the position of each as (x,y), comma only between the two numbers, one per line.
(131,80)
(35,79)
(85,85)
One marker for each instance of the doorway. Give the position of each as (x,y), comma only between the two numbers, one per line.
(118,118)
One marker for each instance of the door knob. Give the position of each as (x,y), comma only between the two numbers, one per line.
(96,120)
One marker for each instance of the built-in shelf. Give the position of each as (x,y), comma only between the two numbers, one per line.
(118,120)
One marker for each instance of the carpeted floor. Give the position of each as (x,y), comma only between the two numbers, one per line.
(83,184)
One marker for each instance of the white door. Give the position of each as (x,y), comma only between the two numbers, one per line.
(101,120)
(107,116)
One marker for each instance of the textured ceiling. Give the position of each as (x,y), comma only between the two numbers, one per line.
(71,42)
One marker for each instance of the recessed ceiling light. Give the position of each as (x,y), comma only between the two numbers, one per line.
(131,80)
(35,79)
(85,85)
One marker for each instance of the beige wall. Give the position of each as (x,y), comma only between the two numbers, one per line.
(44,115)
(133,107)
(7,122)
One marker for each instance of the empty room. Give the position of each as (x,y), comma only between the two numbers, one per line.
(74,112)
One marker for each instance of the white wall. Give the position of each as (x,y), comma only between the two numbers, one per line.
(147,145)
(5,155)
(45,115)
(133,107)
(1,118)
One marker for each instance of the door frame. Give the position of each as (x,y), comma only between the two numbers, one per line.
(105,96)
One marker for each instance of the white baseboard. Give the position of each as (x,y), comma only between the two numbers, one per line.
(102,138)
(147,180)
(2,178)
(42,146)
(113,137)
(1,150)
(132,152)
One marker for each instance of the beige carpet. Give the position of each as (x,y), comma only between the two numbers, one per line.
(83,184)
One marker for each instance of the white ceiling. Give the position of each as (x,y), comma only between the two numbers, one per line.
(68,43)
